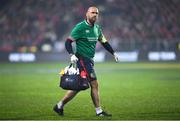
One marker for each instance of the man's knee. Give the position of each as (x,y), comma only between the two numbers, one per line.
(94,84)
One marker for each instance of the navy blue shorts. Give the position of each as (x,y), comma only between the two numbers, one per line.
(89,66)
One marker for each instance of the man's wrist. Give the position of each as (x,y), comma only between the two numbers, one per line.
(71,54)
(114,53)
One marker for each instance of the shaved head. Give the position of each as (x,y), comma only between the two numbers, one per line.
(92,14)
(92,8)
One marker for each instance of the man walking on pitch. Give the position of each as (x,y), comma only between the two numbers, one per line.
(86,34)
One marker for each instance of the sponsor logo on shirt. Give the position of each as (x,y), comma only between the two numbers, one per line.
(92,38)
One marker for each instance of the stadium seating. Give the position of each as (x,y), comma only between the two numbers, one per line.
(127,23)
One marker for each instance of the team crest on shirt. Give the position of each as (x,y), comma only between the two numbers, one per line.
(87,31)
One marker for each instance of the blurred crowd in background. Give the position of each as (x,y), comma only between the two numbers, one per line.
(37,25)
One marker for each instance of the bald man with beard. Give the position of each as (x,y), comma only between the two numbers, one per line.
(86,34)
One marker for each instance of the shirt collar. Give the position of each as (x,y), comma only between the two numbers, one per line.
(88,23)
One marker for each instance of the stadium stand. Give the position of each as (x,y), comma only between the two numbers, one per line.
(130,25)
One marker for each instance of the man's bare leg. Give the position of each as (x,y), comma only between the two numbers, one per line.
(95,93)
(96,99)
(67,97)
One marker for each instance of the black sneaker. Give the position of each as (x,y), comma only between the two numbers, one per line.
(58,111)
(104,114)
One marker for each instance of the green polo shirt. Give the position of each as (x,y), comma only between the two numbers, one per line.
(86,37)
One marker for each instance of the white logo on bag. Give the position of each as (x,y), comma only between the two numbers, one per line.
(67,79)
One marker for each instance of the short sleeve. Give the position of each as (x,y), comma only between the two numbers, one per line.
(75,33)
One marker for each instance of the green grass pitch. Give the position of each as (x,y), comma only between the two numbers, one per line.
(127,90)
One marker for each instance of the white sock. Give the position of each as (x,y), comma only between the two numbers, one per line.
(98,110)
(60,105)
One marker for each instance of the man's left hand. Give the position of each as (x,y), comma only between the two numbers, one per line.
(116,57)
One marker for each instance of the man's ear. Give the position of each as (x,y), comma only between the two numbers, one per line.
(86,14)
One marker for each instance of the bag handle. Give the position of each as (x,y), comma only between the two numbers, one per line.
(73,65)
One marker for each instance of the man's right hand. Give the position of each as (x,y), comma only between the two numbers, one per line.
(74,59)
